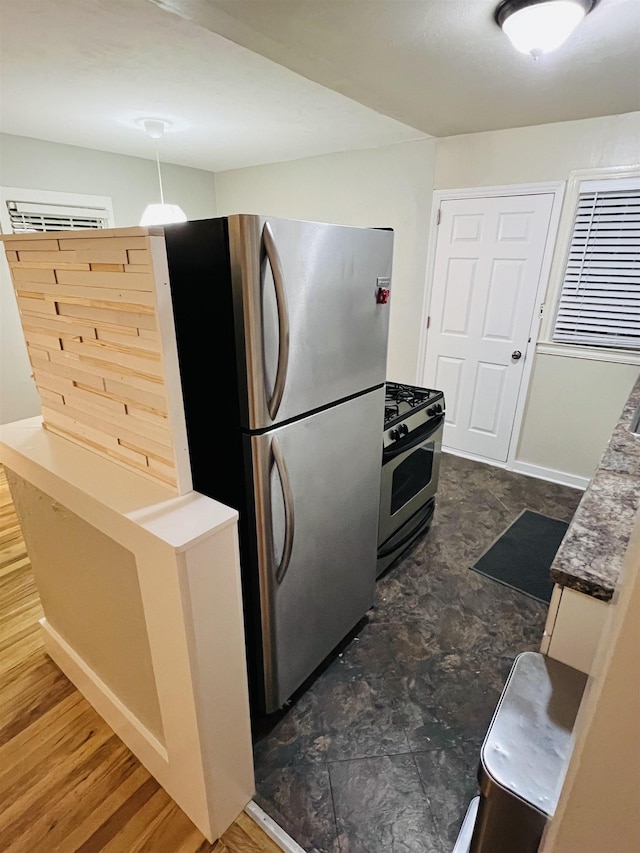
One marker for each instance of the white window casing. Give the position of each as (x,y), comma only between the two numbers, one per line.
(24,210)
(26,217)
(599,300)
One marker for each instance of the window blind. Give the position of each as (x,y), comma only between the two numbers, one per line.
(600,300)
(26,217)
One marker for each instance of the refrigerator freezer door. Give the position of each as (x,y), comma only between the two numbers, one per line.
(317,482)
(311,325)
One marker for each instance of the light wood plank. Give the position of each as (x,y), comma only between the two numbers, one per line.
(153,417)
(72,372)
(139,256)
(36,304)
(137,397)
(91,290)
(105,254)
(129,349)
(60,419)
(150,341)
(49,265)
(27,255)
(78,433)
(50,397)
(102,369)
(62,326)
(117,280)
(46,379)
(141,363)
(163,470)
(39,350)
(95,401)
(107,267)
(124,238)
(42,276)
(105,317)
(41,242)
(48,341)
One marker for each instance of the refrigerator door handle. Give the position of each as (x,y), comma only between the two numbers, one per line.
(273,404)
(289,517)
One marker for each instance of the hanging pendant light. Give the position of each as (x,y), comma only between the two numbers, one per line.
(540,26)
(160,213)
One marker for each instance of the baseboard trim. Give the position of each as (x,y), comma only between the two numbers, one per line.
(275,832)
(551,475)
(473,457)
(526,468)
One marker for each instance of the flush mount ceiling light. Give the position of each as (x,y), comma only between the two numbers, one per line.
(159,214)
(539,26)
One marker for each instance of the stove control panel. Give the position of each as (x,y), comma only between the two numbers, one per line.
(409,408)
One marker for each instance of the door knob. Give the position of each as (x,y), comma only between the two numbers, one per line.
(516,355)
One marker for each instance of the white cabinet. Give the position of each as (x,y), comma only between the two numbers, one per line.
(573,628)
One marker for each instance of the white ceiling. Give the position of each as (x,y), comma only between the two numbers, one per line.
(258,81)
(442,66)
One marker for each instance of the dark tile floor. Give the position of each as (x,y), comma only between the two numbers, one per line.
(379,753)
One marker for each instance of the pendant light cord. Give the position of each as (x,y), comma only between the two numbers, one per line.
(159,174)
(159,214)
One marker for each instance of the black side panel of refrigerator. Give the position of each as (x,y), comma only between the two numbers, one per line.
(201,292)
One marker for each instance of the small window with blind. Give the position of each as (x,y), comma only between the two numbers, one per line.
(23,211)
(26,217)
(599,303)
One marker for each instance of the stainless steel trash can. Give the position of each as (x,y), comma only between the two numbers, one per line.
(525,754)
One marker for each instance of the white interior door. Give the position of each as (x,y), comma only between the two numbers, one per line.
(488,261)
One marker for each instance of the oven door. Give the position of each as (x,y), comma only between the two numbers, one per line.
(410,469)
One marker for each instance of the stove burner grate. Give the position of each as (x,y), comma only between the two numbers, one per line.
(412,396)
(390,412)
(402,400)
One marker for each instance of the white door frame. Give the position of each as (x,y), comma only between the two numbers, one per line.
(555,188)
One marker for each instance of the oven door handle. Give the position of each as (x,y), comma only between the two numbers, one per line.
(413,440)
(389,547)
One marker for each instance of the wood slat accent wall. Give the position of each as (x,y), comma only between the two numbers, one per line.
(99,347)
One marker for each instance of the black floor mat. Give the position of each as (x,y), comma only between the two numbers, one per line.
(521,557)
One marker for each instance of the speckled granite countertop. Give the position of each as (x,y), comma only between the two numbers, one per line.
(592,552)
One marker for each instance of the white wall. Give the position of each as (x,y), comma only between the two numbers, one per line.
(566,426)
(381,187)
(131,182)
(547,152)
(572,408)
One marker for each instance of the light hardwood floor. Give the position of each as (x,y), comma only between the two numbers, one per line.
(67,783)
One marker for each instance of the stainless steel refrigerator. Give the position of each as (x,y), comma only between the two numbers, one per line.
(282,333)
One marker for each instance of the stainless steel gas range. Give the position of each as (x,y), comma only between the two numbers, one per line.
(412,442)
